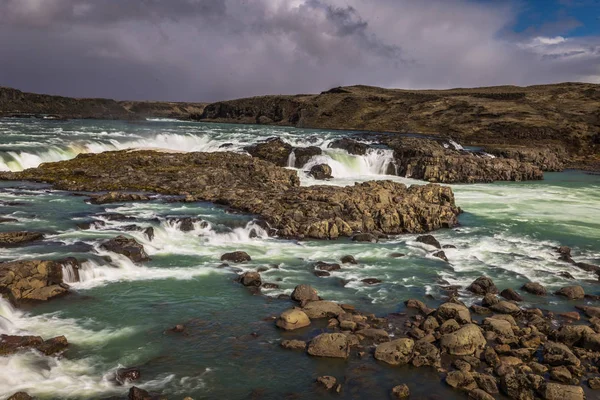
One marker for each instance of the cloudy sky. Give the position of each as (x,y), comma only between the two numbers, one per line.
(206,50)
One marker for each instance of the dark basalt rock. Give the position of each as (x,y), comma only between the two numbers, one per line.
(130,248)
(10,239)
(429,240)
(351,146)
(236,257)
(304,154)
(273,150)
(118,197)
(321,171)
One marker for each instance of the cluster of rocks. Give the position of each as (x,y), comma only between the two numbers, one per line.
(9,239)
(258,187)
(522,353)
(11,344)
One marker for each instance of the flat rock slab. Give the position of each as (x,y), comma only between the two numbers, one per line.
(258,187)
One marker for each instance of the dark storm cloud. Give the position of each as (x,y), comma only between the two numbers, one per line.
(215,49)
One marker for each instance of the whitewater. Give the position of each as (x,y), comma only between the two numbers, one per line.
(121,313)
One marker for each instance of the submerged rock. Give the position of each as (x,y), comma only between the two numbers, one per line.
(257,187)
(128,247)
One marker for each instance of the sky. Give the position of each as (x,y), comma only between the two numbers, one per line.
(209,50)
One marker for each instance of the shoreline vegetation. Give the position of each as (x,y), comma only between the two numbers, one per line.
(494,346)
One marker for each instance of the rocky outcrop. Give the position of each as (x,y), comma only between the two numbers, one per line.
(9,239)
(128,247)
(33,280)
(546,158)
(273,150)
(12,344)
(257,187)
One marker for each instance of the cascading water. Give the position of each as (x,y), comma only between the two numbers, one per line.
(291,163)
(343,165)
(6,315)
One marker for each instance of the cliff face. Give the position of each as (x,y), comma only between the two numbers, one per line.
(17,103)
(564,118)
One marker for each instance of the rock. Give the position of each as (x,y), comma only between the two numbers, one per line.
(177,328)
(329,267)
(571,292)
(304,154)
(591,342)
(185,224)
(449,326)
(572,335)
(321,274)
(419,305)
(20,396)
(518,386)
(561,374)
(465,341)
(304,294)
(396,352)
(273,150)
(96,224)
(130,248)
(350,145)
(293,344)
(396,255)
(251,278)
(365,237)
(269,285)
(328,382)
(10,344)
(371,281)
(256,187)
(34,280)
(236,257)
(329,345)
(500,327)
(348,260)
(400,392)
(483,285)
(557,354)
(136,393)
(118,197)
(429,240)
(594,383)
(479,394)
(292,319)
(127,375)
(534,288)
(555,391)
(505,307)
(486,382)
(376,335)
(461,380)
(426,354)
(510,294)
(322,309)
(320,172)
(9,239)
(430,324)
(441,255)
(590,311)
(490,300)
(457,312)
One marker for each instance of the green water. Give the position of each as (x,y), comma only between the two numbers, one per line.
(120,312)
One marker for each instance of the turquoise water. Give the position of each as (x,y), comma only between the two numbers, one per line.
(121,312)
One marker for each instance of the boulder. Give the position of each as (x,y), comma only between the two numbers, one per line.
(594,383)
(465,341)
(419,305)
(20,396)
(329,345)
(292,319)
(441,255)
(304,294)
(365,237)
(320,172)
(396,352)
(273,150)
(371,281)
(127,375)
(322,309)
(571,292)
(328,382)
(429,240)
(130,248)
(483,285)
(519,386)
(348,260)
(486,382)
(236,257)
(34,280)
(329,267)
(511,294)
(118,197)
(350,145)
(556,354)
(534,288)
(251,279)
(304,154)
(426,355)
(556,391)
(375,335)
(10,344)
(454,311)
(506,307)
(461,380)
(498,326)
(136,393)
(489,300)
(479,394)
(591,342)
(400,392)
(54,346)
(9,239)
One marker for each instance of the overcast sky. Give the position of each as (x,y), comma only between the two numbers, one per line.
(206,50)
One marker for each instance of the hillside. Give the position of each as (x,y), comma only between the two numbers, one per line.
(14,102)
(563,117)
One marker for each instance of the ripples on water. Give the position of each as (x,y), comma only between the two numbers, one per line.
(121,310)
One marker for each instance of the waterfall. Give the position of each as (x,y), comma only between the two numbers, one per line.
(344,165)
(291,163)
(7,314)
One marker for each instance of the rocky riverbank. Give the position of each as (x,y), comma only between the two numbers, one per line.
(260,188)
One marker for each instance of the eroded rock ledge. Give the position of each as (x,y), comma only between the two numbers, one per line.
(258,187)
